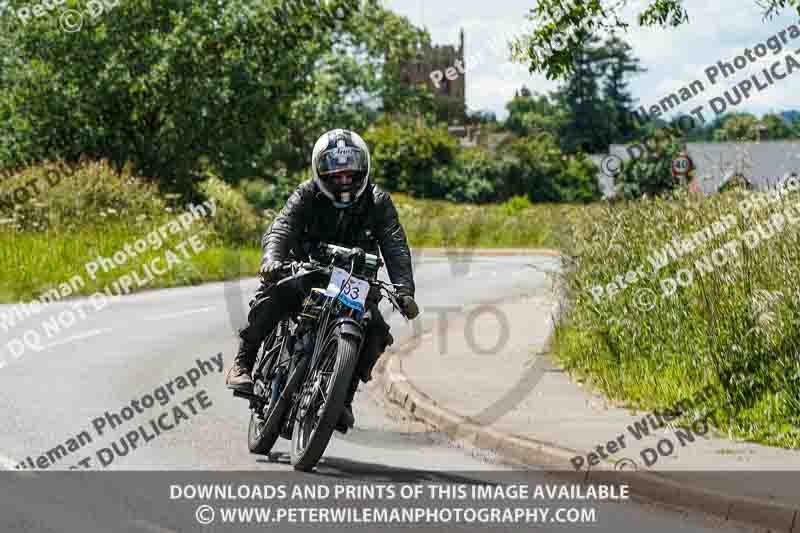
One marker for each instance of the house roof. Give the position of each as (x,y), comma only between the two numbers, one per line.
(764,164)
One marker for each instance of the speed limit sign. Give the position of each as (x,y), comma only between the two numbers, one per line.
(681,165)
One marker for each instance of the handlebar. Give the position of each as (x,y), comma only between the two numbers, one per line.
(334,252)
(371,261)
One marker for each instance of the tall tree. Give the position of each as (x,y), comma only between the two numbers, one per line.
(620,65)
(176,88)
(587,126)
(532,114)
(356,81)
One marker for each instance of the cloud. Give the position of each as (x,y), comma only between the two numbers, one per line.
(673,57)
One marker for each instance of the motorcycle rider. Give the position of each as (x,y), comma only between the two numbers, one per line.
(339,205)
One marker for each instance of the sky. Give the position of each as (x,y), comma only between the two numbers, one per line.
(718,30)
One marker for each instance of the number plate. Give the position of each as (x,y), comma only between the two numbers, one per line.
(355,292)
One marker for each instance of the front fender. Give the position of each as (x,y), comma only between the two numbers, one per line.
(348,327)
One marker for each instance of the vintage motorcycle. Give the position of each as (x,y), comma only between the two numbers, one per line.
(303,372)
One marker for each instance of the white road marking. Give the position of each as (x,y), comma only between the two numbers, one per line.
(181,313)
(79,336)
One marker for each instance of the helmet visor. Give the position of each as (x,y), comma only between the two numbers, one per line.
(342,159)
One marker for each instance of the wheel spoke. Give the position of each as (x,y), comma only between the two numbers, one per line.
(324,396)
(317,388)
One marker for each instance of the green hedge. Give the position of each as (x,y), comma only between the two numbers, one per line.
(428,163)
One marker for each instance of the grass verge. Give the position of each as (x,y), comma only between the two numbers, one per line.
(89,211)
(729,319)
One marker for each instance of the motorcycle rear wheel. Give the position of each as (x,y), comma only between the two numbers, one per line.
(263,433)
(264,428)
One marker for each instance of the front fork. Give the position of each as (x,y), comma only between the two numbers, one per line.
(346,326)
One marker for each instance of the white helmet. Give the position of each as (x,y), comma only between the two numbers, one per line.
(339,151)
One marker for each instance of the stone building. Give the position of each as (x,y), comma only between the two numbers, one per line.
(441,68)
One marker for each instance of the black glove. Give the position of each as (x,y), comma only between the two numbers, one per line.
(408,306)
(272,271)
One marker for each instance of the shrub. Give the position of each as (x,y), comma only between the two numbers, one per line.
(737,181)
(73,196)
(515,205)
(542,172)
(651,173)
(270,193)
(404,157)
(480,176)
(577,180)
(236,221)
(91,209)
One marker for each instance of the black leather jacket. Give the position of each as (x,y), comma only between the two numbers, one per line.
(372,223)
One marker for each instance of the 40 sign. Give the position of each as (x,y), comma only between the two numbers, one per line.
(682,165)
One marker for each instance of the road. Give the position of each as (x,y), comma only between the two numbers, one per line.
(60,393)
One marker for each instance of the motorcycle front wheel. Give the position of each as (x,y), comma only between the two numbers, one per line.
(325,393)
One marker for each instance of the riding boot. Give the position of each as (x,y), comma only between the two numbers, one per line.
(347,419)
(265,313)
(375,347)
(239,376)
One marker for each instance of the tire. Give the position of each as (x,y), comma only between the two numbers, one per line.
(262,436)
(304,458)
